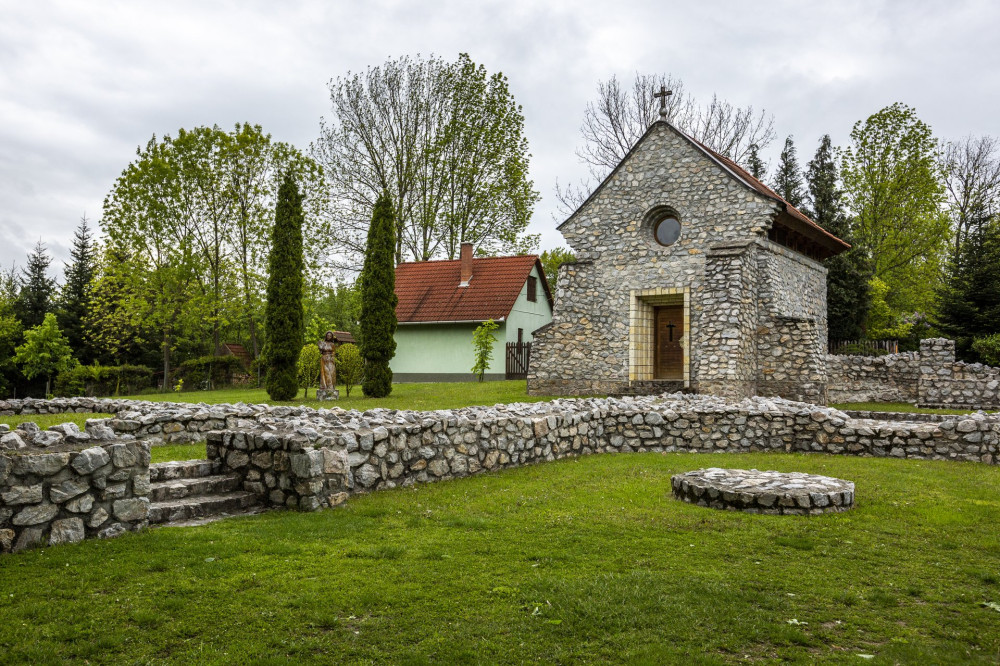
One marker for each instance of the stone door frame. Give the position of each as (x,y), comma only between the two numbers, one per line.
(642,333)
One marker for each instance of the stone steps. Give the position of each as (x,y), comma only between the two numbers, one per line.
(203,506)
(165,491)
(182,469)
(192,492)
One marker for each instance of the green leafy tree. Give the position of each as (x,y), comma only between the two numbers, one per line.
(283,315)
(988,349)
(970,297)
(74,300)
(350,366)
(482,346)
(114,324)
(551,261)
(894,188)
(788,177)
(884,323)
(378,302)
(445,141)
(34,299)
(847,292)
(45,351)
(309,360)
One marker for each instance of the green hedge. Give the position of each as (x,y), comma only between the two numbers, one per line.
(217,369)
(103,380)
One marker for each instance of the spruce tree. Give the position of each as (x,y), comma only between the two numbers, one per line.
(284,324)
(970,298)
(34,299)
(755,165)
(74,302)
(378,301)
(788,178)
(848,297)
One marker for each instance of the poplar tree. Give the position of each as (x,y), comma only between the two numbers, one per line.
(283,317)
(788,177)
(378,301)
(74,302)
(848,297)
(34,299)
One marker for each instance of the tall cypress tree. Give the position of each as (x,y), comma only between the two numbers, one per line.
(74,302)
(34,299)
(788,178)
(284,322)
(378,301)
(847,293)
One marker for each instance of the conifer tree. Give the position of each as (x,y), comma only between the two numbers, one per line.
(970,297)
(378,301)
(35,296)
(755,165)
(74,302)
(848,297)
(788,178)
(284,323)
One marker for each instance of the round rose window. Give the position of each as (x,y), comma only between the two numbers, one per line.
(667,230)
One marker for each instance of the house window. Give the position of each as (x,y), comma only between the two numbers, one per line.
(667,230)
(532,288)
(520,335)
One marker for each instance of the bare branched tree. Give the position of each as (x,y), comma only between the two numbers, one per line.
(972,178)
(622,114)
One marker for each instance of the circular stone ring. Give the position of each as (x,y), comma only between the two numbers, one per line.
(753,491)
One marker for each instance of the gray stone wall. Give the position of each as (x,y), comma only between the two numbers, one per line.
(890,378)
(63,485)
(931,378)
(296,468)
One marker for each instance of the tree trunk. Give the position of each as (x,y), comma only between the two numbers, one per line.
(166,362)
(48,381)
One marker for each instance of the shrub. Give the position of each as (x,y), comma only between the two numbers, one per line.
(309,360)
(103,380)
(988,349)
(350,367)
(216,370)
(482,345)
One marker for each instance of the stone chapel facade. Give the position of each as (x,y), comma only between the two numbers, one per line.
(690,275)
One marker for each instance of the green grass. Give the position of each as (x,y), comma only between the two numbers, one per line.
(445,395)
(46,420)
(170,452)
(896,407)
(580,561)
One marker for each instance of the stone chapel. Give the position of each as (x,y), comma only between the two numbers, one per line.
(690,275)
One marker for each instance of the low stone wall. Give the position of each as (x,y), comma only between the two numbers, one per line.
(62,485)
(297,468)
(930,378)
(891,378)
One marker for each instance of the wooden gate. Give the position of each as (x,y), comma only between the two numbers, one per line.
(518,358)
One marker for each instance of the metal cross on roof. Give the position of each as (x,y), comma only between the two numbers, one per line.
(662,96)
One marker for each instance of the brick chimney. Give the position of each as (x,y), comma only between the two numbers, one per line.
(466,257)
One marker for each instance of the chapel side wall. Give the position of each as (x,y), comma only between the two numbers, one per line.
(586,349)
(792,326)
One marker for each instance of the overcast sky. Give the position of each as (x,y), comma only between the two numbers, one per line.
(82,84)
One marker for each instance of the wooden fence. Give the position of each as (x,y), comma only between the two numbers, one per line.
(518,358)
(865,347)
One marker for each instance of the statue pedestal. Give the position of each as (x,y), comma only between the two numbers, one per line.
(327,394)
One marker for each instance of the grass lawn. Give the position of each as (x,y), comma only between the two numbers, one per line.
(445,395)
(582,560)
(46,420)
(169,452)
(896,407)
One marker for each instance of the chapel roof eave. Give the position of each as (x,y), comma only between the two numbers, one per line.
(800,222)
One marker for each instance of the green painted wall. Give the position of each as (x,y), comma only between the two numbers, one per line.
(423,349)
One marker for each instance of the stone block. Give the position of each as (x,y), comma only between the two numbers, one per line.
(89,460)
(35,514)
(68,530)
(22,495)
(67,490)
(45,464)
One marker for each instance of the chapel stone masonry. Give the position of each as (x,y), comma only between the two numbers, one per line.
(692,275)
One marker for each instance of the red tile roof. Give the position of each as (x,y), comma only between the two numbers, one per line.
(428,290)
